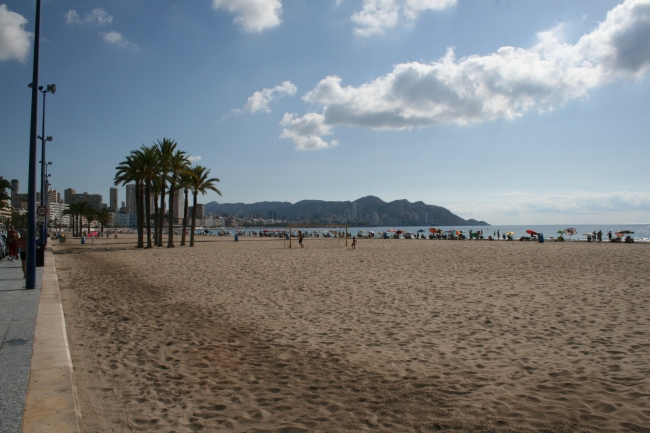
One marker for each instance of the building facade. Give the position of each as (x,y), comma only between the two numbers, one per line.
(56,214)
(130,198)
(200,211)
(113,200)
(53,196)
(67,195)
(95,200)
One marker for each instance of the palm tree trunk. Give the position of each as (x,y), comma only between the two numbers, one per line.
(147,213)
(155,219)
(184,219)
(161,217)
(170,234)
(194,200)
(139,213)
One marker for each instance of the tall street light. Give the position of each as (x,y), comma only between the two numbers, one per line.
(30,277)
(45,201)
(51,88)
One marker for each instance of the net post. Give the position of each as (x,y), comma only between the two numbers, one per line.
(290,237)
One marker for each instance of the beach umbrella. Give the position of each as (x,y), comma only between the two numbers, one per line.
(626,232)
(531,232)
(399,232)
(420,231)
(391,231)
(433,230)
(570,232)
(510,233)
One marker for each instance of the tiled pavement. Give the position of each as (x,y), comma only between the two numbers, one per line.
(18,311)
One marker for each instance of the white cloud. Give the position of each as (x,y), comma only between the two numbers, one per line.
(115,38)
(505,84)
(98,16)
(260,101)
(194,158)
(253,15)
(378,15)
(306,131)
(15,41)
(579,203)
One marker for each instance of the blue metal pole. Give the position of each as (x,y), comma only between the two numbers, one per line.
(30,282)
(43,186)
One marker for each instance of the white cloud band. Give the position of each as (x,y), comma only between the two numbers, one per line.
(118,40)
(15,41)
(98,16)
(261,100)
(253,15)
(378,15)
(505,84)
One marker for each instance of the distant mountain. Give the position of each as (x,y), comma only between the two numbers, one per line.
(398,212)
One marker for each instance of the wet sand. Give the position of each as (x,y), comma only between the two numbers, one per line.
(396,336)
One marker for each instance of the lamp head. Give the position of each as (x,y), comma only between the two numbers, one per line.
(40,88)
(49,138)
(51,88)
(30,85)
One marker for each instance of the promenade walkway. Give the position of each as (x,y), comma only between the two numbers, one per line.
(37,391)
(18,310)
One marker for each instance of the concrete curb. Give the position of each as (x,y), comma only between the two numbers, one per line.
(52,404)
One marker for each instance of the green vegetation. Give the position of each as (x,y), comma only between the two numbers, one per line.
(157,171)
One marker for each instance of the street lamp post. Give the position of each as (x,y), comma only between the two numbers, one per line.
(30,275)
(51,88)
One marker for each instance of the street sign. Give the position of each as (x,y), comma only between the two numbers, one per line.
(41,211)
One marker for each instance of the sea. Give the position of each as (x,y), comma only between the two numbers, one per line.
(641,231)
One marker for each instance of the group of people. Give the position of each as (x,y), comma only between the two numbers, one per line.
(17,242)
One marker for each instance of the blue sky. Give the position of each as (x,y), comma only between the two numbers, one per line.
(508,111)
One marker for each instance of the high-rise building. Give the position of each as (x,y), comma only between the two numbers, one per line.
(95,200)
(67,195)
(130,198)
(200,211)
(113,200)
(354,210)
(53,196)
(15,189)
(179,206)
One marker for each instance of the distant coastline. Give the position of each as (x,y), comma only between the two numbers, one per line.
(369,211)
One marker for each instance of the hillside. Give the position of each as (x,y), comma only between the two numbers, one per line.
(398,212)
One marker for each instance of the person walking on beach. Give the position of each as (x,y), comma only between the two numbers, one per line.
(22,244)
(354,243)
(300,236)
(12,240)
(609,235)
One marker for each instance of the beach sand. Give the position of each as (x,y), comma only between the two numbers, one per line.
(395,336)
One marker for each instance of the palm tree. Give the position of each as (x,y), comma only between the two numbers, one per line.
(84,210)
(129,171)
(164,150)
(147,164)
(201,183)
(4,197)
(186,184)
(155,192)
(90,216)
(178,164)
(103,218)
(73,211)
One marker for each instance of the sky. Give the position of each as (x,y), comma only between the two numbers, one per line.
(507,111)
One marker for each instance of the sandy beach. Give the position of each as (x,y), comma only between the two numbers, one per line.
(395,336)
